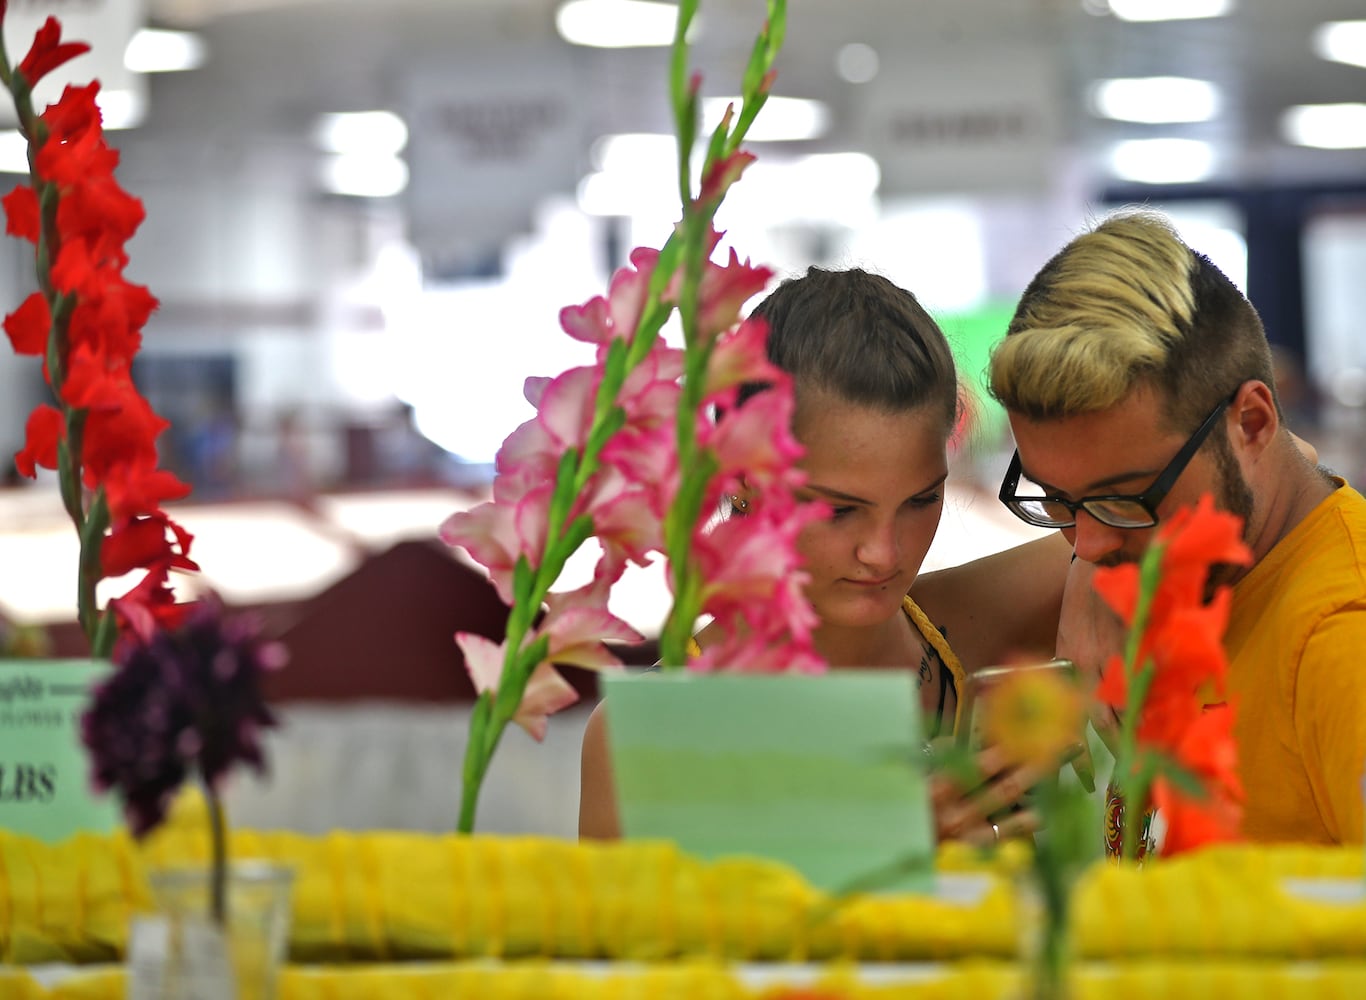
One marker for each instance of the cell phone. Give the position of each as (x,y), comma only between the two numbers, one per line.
(981,681)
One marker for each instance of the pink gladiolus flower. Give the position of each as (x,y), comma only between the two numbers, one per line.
(602,320)
(723,174)
(534,387)
(740,357)
(752,569)
(756,439)
(566,410)
(628,515)
(577,636)
(497,534)
(527,459)
(762,652)
(546,691)
(724,290)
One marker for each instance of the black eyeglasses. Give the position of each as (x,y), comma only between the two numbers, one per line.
(1118,511)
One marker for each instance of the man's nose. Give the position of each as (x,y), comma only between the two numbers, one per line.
(1094,540)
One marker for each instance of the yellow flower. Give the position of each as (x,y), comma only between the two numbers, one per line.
(1033,716)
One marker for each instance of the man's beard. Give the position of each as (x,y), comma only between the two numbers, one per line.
(1235,496)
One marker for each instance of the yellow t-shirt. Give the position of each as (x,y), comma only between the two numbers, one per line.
(931,635)
(1297,672)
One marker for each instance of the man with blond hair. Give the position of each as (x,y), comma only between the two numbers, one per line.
(1137,377)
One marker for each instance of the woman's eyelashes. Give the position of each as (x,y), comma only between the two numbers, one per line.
(915,503)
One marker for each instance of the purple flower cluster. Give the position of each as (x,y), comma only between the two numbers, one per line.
(180,702)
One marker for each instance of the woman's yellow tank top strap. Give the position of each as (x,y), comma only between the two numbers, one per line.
(941,646)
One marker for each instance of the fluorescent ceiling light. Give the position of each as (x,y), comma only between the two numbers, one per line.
(782,119)
(155,51)
(781,188)
(1162,161)
(617,24)
(1325,126)
(1341,41)
(625,152)
(121,108)
(1155,99)
(857,62)
(373,132)
(1169,10)
(625,193)
(13,152)
(364,175)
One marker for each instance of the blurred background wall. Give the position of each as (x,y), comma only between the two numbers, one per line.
(363,219)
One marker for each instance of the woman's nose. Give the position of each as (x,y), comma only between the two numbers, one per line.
(880,547)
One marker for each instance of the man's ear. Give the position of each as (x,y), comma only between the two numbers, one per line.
(1254,421)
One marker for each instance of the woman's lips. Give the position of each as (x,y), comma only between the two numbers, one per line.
(871,583)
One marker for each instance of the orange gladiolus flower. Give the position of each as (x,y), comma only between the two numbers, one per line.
(1181,651)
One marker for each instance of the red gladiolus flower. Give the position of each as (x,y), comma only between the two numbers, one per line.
(102,212)
(111,320)
(74,114)
(92,382)
(69,163)
(48,52)
(136,487)
(151,605)
(29,325)
(21,213)
(143,542)
(46,426)
(91,342)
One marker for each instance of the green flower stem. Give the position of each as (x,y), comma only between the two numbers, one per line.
(1133,775)
(492,713)
(218,864)
(686,509)
(92,536)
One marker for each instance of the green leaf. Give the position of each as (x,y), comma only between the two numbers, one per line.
(1183,779)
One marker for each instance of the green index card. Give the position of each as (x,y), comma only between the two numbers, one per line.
(44,769)
(824,773)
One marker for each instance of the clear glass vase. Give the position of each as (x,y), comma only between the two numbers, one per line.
(179,951)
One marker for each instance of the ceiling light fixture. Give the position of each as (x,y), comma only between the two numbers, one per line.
(857,62)
(364,175)
(1162,161)
(1169,10)
(618,24)
(13,152)
(372,132)
(1156,99)
(1325,126)
(629,152)
(781,119)
(1341,41)
(151,50)
(121,108)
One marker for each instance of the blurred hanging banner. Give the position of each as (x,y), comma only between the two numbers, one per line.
(107,26)
(954,120)
(488,140)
